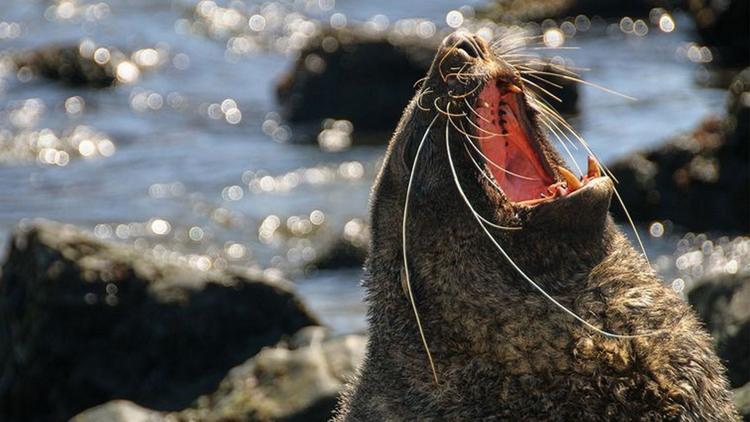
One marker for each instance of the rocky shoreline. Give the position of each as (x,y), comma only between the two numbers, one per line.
(86,321)
(96,325)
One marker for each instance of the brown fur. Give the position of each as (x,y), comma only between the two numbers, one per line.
(501,350)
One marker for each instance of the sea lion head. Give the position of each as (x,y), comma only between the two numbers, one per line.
(479,105)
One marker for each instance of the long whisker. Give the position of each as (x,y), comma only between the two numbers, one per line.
(536,61)
(547,81)
(518,44)
(475,112)
(476,126)
(463,131)
(591,84)
(632,225)
(514,36)
(543,107)
(406,262)
(537,86)
(567,150)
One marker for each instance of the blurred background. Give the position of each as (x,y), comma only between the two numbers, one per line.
(185,184)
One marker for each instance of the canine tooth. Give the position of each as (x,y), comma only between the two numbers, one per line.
(514,88)
(593,170)
(573,182)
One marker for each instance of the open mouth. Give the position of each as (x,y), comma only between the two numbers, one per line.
(511,151)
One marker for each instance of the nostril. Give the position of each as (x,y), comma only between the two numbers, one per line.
(469,48)
(464,41)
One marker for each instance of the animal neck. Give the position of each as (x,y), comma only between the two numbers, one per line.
(475,307)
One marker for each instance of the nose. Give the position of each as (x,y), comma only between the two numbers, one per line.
(474,46)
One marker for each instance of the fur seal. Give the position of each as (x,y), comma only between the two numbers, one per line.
(533,304)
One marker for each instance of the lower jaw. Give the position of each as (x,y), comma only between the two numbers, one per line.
(568,186)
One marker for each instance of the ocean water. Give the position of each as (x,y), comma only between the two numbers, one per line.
(190,156)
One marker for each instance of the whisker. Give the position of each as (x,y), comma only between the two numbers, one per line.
(526,69)
(514,34)
(632,225)
(554,114)
(537,77)
(475,112)
(567,150)
(406,262)
(485,130)
(419,99)
(463,131)
(591,84)
(537,86)
(545,109)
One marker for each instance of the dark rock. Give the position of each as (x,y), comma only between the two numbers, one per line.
(296,382)
(76,65)
(347,250)
(366,79)
(520,11)
(699,180)
(83,322)
(742,401)
(723,304)
(738,119)
(119,411)
(725,26)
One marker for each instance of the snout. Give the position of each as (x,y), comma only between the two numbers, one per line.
(465,44)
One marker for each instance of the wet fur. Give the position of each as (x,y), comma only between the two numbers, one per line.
(502,351)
